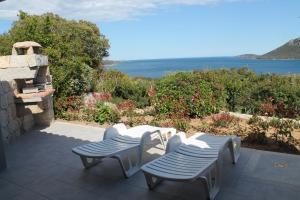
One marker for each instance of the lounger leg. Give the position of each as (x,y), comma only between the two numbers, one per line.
(212,180)
(152,181)
(205,184)
(89,162)
(133,165)
(234,148)
(162,140)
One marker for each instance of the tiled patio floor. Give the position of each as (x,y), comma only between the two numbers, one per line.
(41,166)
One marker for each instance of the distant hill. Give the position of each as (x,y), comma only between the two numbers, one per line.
(290,50)
(248,56)
(109,62)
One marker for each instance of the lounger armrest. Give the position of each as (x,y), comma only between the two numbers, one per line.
(114,131)
(120,127)
(147,136)
(175,141)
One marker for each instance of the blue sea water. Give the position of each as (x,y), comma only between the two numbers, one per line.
(159,67)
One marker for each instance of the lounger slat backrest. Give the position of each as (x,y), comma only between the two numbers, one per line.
(212,139)
(183,159)
(200,153)
(175,158)
(105,147)
(185,165)
(177,166)
(127,139)
(203,145)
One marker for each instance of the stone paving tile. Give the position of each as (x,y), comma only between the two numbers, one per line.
(130,192)
(9,190)
(28,195)
(55,189)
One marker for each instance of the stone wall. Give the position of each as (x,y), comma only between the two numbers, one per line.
(10,124)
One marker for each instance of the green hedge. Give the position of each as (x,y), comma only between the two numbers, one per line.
(200,93)
(187,94)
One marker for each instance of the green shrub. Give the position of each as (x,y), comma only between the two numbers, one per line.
(117,100)
(273,95)
(186,94)
(111,79)
(283,128)
(65,104)
(199,93)
(103,113)
(258,131)
(254,120)
(181,125)
(123,87)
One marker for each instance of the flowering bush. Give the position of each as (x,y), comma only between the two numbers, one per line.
(222,120)
(126,105)
(64,104)
(91,98)
(103,96)
(267,109)
(187,95)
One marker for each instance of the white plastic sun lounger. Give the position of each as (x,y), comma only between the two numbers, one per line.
(198,158)
(125,145)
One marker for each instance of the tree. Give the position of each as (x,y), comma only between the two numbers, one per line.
(75,48)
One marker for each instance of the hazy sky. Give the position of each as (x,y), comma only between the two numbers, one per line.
(139,29)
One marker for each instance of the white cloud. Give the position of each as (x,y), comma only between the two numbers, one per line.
(94,10)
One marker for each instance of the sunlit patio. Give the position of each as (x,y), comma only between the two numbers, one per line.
(42,166)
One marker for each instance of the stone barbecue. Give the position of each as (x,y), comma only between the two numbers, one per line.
(25,90)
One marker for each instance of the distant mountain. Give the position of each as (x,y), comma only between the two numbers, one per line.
(248,56)
(109,62)
(290,50)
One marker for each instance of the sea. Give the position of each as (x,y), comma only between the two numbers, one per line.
(156,68)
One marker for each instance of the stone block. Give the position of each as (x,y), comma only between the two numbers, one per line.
(18,61)
(45,118)
(5,135)
(1,88)
(3,101)
(14,125)
(17,73)
(4,61)
(10,98)
(11,110)
(36,108)
(6,86)
(28,122)
(3,118)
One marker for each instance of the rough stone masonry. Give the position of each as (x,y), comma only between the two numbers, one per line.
(24,69)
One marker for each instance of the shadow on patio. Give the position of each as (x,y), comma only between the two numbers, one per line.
(42,166)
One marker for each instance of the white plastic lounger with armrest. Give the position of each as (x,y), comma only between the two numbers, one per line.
(198,158)
(221,142)
(125,145)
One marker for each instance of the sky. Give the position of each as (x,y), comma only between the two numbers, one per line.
(150,29)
